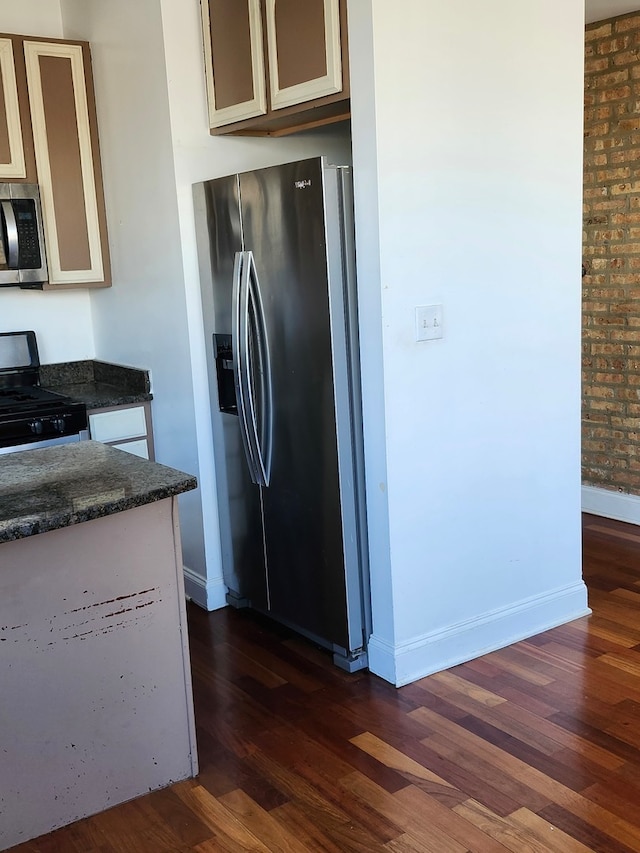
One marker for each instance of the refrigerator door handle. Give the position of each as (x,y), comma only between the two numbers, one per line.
(248,316)
(240,354)
(262,420)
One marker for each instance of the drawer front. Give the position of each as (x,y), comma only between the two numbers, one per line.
(118,425)
(138,448)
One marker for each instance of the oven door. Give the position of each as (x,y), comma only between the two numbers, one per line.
(47,442)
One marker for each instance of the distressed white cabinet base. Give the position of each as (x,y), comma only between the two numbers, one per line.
(96,705)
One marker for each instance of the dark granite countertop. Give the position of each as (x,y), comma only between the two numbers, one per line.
(55,487)
(97,384)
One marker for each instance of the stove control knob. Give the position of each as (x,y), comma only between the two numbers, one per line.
(59,424)
(36,427)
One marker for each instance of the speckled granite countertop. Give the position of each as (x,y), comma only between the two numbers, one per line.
(97,384)
(55,487)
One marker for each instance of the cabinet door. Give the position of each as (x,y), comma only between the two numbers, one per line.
(67,161)
(234,60)
(304,50)
(12,161)
(125,427)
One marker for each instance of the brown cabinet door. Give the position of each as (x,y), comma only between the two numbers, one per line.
(68,163)
(304,50)
(234,60)
(12,159)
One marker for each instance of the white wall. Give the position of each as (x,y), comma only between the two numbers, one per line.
(62,321)
(599,10)
(468,188)
(31,17)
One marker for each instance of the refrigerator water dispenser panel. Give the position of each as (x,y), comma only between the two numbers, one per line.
(223,352)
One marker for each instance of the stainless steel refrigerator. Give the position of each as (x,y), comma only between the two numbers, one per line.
(277,276)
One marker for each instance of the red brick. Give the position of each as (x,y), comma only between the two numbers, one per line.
(614,45)
(620,173)
(599,64)
(605,81)
(623,25)
(598,31)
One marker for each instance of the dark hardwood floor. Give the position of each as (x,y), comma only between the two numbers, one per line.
(532,748)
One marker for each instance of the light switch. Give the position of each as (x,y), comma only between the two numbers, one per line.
(428,322)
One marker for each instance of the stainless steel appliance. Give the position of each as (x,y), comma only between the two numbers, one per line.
(31,416)
(22,255)
(279,302)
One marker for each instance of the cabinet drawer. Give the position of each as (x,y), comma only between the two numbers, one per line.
(118,425)
(138,448)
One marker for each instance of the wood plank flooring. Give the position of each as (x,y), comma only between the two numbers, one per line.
(533,748)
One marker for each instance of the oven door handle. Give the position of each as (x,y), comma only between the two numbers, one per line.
(11,230)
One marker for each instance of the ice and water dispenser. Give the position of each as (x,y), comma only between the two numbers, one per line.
(224,373)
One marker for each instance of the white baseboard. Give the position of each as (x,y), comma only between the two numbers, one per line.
(439,650)
(209,594)
(610,504)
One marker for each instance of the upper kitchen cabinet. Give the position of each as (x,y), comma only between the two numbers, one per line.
(300,49)
(63,118)
(16,146)
(234,60)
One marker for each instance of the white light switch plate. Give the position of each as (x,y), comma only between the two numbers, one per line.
(428,322)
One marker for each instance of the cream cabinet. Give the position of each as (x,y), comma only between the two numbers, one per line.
(275,66)
(12,150)
(61,101)
(305,59)
(234,60)
(127,428)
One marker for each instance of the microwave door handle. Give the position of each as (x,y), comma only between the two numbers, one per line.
(11,226)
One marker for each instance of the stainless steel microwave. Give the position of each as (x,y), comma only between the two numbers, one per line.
(22,256)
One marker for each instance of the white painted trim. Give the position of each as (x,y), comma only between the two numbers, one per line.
(33,51)
(610,504)
(209,594)
(247,109)
(310,89)
(439,650)
(16,167)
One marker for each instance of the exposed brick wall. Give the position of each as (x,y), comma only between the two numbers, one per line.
(611,253)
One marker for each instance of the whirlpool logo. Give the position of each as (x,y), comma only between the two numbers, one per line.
(301,185)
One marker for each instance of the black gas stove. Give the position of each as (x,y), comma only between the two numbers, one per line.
(29,413)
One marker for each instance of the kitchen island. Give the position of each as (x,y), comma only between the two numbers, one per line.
(96,704)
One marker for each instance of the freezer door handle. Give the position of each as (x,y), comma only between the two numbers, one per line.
(239,350)
(260,373)
(252,368)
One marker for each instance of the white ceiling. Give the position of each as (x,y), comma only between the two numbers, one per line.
(598,10)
